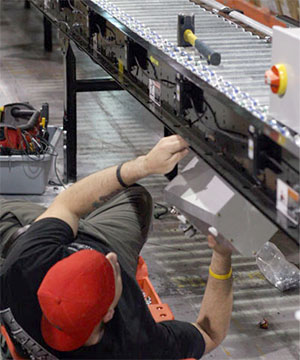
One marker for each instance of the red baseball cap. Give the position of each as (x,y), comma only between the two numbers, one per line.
(74,296)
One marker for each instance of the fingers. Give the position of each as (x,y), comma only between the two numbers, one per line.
(165,155)
(174,159)
(175,143)
(211,241)
(179,155)
(223,249)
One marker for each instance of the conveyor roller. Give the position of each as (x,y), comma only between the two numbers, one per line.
(245,57)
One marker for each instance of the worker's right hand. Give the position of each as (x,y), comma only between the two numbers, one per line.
(222,248)
(165,155)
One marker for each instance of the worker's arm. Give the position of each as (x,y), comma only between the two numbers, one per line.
(215,312)
(89,193)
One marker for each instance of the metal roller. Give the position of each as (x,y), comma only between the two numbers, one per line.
(236,46)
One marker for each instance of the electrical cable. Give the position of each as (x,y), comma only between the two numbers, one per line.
(146,73)
(153,67)
(41,153)
(168,82)
(38,154)
(74,9)
(229,133)
(200,116)
(50,149)
(60,183)
(27,146)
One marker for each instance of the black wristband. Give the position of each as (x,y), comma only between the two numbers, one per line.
(118,173)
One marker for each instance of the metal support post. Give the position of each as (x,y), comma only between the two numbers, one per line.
(174,172)
(72,87)
(27,4)
(70,116)
(47,34)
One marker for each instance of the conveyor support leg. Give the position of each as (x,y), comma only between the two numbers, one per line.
(47,35)
(72,86)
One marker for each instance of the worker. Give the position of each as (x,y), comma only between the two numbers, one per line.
(68,288)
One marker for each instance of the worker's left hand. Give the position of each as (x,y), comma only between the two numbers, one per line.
(165,155)
(223,247)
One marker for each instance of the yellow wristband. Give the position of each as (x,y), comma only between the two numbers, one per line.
(220,277)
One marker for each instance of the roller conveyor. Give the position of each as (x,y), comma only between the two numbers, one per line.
(224,110)
(160,20)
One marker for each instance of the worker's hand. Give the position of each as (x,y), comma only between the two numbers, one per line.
(165,155)
(222,248)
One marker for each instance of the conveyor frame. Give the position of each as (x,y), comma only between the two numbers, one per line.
(236,176)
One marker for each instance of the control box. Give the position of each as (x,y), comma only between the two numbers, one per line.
(285,101)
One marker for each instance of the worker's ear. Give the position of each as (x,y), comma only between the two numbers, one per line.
(109,315)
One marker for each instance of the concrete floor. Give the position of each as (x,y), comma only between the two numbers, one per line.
(113,127)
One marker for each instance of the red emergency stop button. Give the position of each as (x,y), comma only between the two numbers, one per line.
(276,77)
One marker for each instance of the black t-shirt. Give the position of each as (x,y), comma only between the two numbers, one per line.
(131,334)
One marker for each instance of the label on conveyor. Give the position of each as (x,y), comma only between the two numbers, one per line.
(155,91)
(288,201)
(47,4)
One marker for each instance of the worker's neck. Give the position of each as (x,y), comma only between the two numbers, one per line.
(96,335)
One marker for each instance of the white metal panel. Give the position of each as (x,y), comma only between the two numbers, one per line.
(286,50)
(199,191)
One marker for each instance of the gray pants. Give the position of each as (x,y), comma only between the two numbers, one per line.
(122,222)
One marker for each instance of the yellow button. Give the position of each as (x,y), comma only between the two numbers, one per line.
(276,77)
